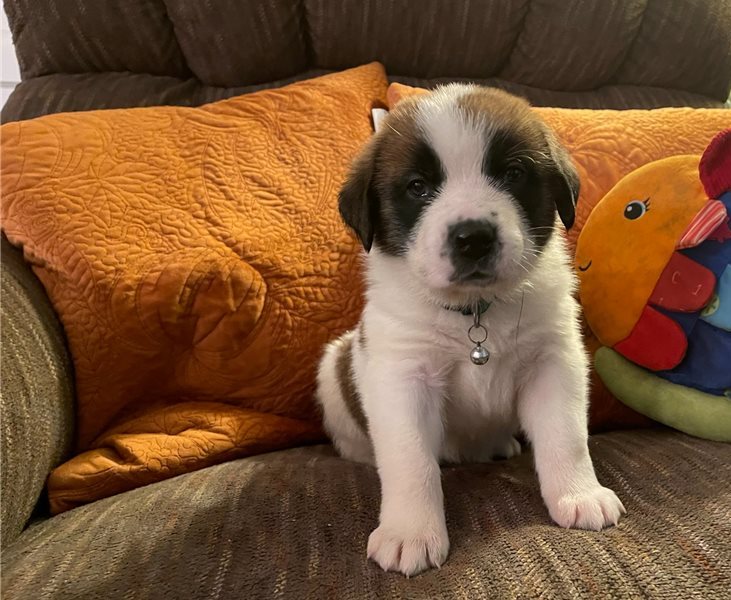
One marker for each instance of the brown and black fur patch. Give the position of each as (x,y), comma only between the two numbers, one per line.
(348,389)
(375,201)
(517,134)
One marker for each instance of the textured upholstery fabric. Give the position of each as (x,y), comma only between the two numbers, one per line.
(577,53)
(79,37)
(431,39)
(542,58)
(294,524)
(616,97)
(36,395)
(676,47)
(205,245)
(233,43)
(88,91)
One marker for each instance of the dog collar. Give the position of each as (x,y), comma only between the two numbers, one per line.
(469,310)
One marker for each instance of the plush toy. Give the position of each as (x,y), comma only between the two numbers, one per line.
(654,264)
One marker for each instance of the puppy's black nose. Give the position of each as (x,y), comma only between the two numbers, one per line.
(473,240)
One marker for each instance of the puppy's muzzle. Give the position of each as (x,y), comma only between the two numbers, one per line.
(474,245)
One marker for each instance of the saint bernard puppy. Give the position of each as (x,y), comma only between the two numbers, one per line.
(470,331)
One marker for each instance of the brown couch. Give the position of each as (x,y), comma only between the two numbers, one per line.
(294,524)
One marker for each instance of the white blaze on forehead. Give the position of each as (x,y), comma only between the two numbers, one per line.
(458,140)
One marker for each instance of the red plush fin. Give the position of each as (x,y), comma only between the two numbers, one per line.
(684,285)
(715,165)
(656,342)
(722,233)
(703,224)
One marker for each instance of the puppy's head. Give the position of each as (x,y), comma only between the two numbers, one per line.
(464,184)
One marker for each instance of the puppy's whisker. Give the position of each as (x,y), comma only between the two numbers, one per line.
(521,265)
(517,328)
(520,156)
(396,131)
(535,157)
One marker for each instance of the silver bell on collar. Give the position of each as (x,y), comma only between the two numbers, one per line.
(477,334)
(479,355)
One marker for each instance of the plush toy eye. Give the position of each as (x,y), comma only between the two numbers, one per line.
(418,188)
(514,173)
(636,209)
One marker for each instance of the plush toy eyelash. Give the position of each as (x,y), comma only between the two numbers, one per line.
(646,202)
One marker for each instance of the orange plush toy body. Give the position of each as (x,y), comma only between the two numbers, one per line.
(654,260)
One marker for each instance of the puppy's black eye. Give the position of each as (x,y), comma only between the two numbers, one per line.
(419,188)
(635,209)
(514,173)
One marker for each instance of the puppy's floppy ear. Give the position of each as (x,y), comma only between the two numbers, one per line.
(358,201)
(564,179)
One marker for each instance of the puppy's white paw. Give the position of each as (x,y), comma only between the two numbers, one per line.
(594,508)
(508,448)
(408,552)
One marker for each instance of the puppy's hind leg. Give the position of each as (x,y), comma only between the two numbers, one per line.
(491,444)
(338,395)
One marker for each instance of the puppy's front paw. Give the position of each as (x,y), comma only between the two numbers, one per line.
(594,508)
(408,552)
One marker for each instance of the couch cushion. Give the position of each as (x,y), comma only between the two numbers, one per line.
(84,37)
(89,91)
(575,54)
(233,43)
(564,45)
(36,397)
(198,263)
(676,47)
(464,39)
(294,524)
(612,96)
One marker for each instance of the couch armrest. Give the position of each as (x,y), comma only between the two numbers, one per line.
(36,391)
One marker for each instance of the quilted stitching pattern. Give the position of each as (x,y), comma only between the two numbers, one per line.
(198,265)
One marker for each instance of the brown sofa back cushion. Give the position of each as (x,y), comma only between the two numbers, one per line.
(571,53)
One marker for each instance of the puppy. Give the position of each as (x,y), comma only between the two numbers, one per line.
(456,200)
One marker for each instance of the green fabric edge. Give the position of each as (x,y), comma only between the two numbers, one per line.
(685,409)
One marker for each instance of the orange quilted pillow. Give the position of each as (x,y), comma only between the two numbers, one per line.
(198,263)
(606,145)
